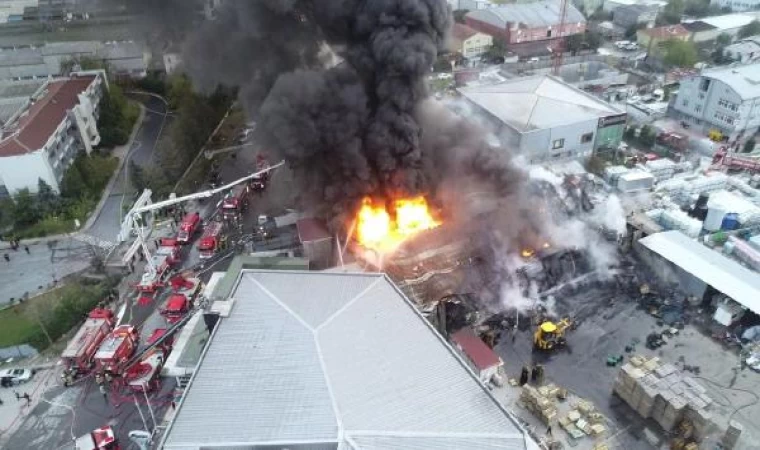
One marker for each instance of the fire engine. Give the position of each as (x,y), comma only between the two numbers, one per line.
(143,375)
(176,307)
(732,162)
(188,227)
(116,349)
(78,356)
(210,242)
(259,182)
(235,202)
(102,438)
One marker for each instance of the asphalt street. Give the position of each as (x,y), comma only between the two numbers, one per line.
(107,225)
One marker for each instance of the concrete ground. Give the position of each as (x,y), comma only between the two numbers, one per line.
(46,263)
(608,321)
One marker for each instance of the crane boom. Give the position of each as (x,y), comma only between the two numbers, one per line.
(559,47)
(203,194)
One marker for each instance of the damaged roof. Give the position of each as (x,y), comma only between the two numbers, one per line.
(334,361)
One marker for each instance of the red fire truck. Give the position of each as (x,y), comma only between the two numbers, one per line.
(144,375)
(235,202)
(188,227)
(210,242)
(732,162)
(116,349)
(259,183)
(78,356)
(102,438)
(176,307)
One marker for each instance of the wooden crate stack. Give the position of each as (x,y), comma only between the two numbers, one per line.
(541,405)
(662,392)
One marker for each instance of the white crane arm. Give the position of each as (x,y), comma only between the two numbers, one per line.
(203,194)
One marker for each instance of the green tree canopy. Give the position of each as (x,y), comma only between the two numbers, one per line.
(751,29)
(73,185)
(25,211)
(672,12)
(47,199)
(749,145)
(680,53)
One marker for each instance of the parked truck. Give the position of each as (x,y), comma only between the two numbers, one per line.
(259,182)
(116,349)
(211,241)
(102,438)
(78,357)
(235,202)
(189,225)
(731,161)
(176,307)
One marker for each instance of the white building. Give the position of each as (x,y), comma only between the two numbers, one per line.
(545,119)
(709,28)
(44,136)
(325,360)
(611,5)
(737,5)
(744,51)
(725,99)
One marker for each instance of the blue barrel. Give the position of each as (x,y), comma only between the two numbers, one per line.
(730,222)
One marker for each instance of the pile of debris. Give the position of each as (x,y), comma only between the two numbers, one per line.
(661,392)
(583,420)
(751,355)
(540,402)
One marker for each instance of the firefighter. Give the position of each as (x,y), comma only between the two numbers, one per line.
(524,376)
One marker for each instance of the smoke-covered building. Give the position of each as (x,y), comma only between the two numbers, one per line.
(545,119)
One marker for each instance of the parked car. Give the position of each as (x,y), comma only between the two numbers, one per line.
(15,376)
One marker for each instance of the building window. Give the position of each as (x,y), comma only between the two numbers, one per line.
(559,143)
(705,85)
(685,102)
(586,138)
(548,33)
(698,108)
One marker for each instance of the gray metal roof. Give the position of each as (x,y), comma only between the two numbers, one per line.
(537,103)
(744,80)
(724,274)
(534,15)
(334,360)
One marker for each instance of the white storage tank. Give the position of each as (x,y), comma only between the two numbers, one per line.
(714,219)
(635,181)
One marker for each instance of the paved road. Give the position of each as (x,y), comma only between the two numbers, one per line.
(30,273)
(108,223)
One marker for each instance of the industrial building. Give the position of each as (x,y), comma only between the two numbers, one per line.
(723,99)
(736,5)
(319,360)
(527,28)
(714,26)
(703,273)
(545,119)
(127,59)
(654,39)
(468,42)
(41,138)
(744,51)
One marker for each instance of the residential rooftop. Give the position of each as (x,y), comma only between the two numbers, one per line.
(537,103)
(534,15)
(666,32)
(34,126)
(333,360)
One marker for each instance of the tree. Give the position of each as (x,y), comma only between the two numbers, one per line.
(114,123)
(73,185)
(47,199)
(680,53)
(647,136)
(593,40)
(25,211)
(719,55)
(749,145)
(697,8)
(751,29)
(574,42)
(672,12)
(630,133)
(723,40)
(497,49)
(137,176)
(459,15)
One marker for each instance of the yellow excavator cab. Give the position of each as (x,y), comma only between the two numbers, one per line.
(550,335)
(548,327)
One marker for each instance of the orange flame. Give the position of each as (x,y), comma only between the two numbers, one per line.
(527,252)
(377,230)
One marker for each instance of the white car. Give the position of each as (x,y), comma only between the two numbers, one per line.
(16,376)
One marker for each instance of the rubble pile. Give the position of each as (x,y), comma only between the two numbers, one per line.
(661,392)
(583,420)
(540,402)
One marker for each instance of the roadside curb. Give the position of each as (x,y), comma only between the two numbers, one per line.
(103,198)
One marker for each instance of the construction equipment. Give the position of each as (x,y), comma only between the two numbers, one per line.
(559,45)
(211,241)
(102,438)
(189,225)
(549,335)
(77,358)
(715,135)
(116,349)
